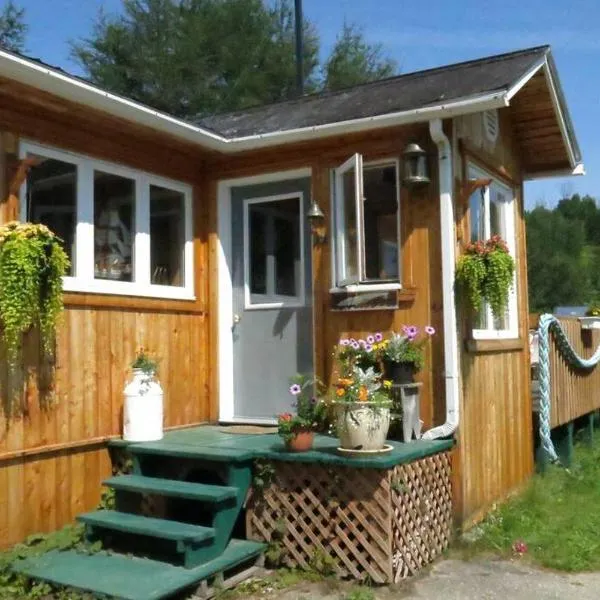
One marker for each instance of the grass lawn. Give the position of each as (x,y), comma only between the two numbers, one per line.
(557,516)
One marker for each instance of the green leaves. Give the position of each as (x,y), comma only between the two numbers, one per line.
(32,263)
(485,275)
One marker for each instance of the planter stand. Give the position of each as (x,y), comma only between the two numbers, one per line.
(410,394)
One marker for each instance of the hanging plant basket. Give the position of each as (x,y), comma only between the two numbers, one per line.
(484,274)
(32,264)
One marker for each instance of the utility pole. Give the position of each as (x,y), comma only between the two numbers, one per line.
(299,48)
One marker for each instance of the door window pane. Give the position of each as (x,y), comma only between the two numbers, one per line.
(52,200)
(476,216)
(167,236)
(114,218)
(380,214)
(275,255)
(258,251)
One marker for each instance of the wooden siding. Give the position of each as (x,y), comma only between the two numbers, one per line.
(53,457)
(495,434)
(574,392)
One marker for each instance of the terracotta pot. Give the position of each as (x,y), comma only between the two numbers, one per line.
(362,425)
(301,442)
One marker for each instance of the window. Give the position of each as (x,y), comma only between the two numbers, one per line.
(366,223)
(491,212)
(274,252)
(126,232)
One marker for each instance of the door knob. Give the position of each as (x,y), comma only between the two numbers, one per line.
(236,319)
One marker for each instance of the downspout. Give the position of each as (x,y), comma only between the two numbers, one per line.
(451,369)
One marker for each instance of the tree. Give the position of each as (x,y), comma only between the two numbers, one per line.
(353,60)
(13,28)
(197,57)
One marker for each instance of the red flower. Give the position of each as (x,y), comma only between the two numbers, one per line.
(519,547)
(285,417)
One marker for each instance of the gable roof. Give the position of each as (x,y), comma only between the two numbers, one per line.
(464,81)
(444,92)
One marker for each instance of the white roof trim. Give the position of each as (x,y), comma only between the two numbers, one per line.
(64,86)
(578,171)
(520,84)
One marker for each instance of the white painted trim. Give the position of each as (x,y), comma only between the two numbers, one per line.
(559,115)
(84,280)
(578,171)
(70,88)
(282,301)
(522,82)
(224,281)
(368,287)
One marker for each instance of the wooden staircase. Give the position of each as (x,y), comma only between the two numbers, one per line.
(158,556)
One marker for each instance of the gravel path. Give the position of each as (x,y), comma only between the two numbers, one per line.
(468,580)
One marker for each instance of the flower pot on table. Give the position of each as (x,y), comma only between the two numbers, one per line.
(362,425)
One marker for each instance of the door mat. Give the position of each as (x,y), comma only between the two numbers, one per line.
(249,429)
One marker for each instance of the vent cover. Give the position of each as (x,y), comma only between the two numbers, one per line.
(491,125)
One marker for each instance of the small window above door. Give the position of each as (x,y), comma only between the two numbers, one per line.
(366,223)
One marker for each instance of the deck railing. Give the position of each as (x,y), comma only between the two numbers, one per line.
(573,392)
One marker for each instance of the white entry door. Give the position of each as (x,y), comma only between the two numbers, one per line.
(271,296)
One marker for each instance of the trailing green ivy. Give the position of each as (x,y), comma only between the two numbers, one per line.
(32,263)
(485,274)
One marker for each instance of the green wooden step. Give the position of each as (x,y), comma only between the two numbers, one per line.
(171,487)
(130,578)
(139,525)
(207,453)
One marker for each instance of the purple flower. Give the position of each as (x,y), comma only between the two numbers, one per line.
(352,340)
(378,336)
(355,345)
(313,400)
(295,389)
(344,342)
(362,343)
(429,330)
(368,348)
(411,332)
(370,339)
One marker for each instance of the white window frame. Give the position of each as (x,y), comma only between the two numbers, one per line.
(280,301)
(508,235)
(338,264)
(83,279)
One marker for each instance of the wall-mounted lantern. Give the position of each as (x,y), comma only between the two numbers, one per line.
(415,168)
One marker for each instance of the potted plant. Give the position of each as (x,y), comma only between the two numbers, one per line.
(404,354)
(362,404)
(298,430)
(363,353)
(143,407)
(485,274)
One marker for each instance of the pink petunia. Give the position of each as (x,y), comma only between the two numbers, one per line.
(344,342)
(370,339)
(295,389)
(378,337)
(429,330)
(412,332)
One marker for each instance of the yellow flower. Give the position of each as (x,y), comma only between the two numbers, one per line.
(363,394)
(340,392)
(387,384)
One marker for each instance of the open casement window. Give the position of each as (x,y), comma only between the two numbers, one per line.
(125,231)
(366,223)
(492,212)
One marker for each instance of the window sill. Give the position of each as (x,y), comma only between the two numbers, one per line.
(494,345)
(123,288)
(370,297)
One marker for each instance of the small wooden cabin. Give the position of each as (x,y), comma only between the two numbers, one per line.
(192,240)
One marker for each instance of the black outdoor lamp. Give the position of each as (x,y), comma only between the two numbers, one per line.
(415,166)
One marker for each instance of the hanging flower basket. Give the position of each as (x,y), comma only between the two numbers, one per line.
(484,274)
(32,264)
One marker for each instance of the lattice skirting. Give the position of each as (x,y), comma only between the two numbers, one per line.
(384,525)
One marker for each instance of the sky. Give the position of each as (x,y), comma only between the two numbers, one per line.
(419,34)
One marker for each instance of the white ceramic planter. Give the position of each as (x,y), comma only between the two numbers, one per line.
(362,425)
(143,409)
